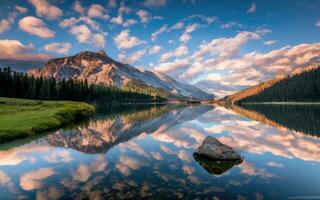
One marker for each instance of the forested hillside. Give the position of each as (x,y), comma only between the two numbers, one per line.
(302,87)
(20,85)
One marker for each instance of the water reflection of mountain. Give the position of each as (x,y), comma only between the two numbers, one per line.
(98,136)
(302,118)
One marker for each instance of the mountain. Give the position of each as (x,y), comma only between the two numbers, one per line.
(101,135)
(98,68)
(303,84)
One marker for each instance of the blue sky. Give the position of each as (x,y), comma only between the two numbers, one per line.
(220,46)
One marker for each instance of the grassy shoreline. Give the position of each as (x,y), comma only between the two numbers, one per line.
(21,117)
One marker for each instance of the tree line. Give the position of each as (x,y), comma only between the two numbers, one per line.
(303,87)
(20,85)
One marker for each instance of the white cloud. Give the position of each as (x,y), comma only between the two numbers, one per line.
(144,16)
(155,34)
(98,40)
(154,3)
(132,58)
(185,37)
(172,66)
(124,41)
(72,21)
(14,49)
(78,8)
(179,51)
(155,49)
(35,26)
(252,8)
(4,25)
(97,11)
(61,48)
(84,35)
(123,9)
(270,42)
(33,179)
(45,9)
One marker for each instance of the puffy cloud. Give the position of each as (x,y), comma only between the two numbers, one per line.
(124,41)
(185,37)
(144,16)
(179,51)
(14,49)
(155,49)
(4,25)
(252,8)
(72,21)
(126,164)
(225,47)
(270,42)
(172,66)
(35,26)
(83,172)
(154,3)
(84,35)
(78,8)
(97,11)
(45,9)
(61,48)
(134,57)
(98,40)
(123,9)
(33,179)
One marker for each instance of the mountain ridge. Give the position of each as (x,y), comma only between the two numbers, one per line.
(98,68)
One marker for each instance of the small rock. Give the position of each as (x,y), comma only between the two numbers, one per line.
(213,149)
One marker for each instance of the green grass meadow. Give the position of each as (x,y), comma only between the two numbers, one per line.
(20,117)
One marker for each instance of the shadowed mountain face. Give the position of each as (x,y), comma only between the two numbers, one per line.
(301,118)
(21,65)
(101,135)
(98,68)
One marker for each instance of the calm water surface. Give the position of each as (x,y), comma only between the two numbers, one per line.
(147,152)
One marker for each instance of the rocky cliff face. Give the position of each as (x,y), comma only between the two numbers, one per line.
(98,68)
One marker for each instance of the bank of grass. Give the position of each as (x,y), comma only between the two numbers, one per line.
(21,117)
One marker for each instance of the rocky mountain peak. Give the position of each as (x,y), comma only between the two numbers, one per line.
(98,68)
(102,53)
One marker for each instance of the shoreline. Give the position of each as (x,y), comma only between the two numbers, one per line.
(20,118)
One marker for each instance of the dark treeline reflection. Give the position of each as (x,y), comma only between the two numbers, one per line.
(302,118)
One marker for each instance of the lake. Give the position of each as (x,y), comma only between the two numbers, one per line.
(146,152)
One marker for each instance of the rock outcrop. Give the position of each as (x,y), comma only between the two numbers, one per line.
(213,149)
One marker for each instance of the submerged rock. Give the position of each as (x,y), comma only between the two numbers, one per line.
(216,167)
(211,148)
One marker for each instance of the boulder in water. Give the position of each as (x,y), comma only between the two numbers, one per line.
(212,148)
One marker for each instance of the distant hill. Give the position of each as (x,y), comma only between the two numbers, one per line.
(301,86)
(98,68)
(21,65)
